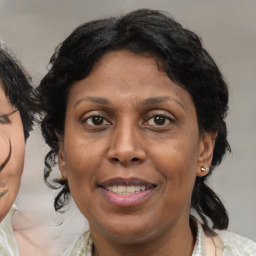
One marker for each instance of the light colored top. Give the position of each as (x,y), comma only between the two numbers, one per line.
(8,242)
(223,244)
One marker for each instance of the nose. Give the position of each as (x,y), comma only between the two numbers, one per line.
(126,146)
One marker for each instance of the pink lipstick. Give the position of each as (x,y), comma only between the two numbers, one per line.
(126,192)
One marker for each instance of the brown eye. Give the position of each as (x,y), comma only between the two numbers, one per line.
(159,120)
(4,119)
(96,121)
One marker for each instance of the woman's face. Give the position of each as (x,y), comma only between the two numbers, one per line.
(131,149)
(12,153)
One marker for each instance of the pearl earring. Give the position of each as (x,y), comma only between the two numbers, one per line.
(204,168)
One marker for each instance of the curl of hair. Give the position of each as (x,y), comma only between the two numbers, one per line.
(186,62)
(17,86)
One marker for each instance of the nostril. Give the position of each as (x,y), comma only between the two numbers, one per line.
(133,160)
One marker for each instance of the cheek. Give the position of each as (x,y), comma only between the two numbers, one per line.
(18,149)
(177,163)
(13,170)
(4,142)
(18,155)
(13,133)
(82,161)
(81,167)
(10,176)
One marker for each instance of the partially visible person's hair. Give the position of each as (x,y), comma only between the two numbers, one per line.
(16,84)
(186,62)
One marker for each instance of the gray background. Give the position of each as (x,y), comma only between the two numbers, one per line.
(32,28)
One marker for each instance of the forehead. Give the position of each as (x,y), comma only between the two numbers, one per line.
(4,101)
(114,58)
(2,92)
(131,74)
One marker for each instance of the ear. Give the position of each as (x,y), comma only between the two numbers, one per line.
(206,147)
(62,158)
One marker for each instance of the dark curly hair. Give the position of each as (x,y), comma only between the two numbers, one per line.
(184,60)
(17,86)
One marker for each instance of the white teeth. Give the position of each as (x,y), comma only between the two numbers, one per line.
(125,190)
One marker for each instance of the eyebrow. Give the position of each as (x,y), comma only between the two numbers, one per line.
(10,113)
(146,102)
(97,100)
(157,100)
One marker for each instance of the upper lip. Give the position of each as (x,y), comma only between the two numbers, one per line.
(118,181)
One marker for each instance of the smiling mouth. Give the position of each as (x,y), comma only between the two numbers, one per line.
(126,190)
(122,186)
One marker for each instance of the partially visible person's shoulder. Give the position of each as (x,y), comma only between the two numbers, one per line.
(236,245)
(82,246)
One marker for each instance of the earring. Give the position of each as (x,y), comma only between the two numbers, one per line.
(204,168)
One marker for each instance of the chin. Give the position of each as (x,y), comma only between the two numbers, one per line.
(128,230)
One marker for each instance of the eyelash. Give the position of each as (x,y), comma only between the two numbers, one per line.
(103,122)
(4,119)
(164,117)
(90,118)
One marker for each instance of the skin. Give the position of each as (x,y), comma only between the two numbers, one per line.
(31,238)
(11,129)
(129,143)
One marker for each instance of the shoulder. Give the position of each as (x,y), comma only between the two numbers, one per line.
(8,242)
(83,245)
(237,244)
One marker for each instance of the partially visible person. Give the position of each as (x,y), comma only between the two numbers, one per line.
(17,110)
(135,111)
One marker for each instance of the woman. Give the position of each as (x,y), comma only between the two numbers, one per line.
(135,111)
(17,108)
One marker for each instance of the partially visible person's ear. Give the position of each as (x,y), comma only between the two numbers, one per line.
(61,157)
(205,154)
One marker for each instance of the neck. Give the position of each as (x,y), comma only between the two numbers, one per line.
(176,242)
